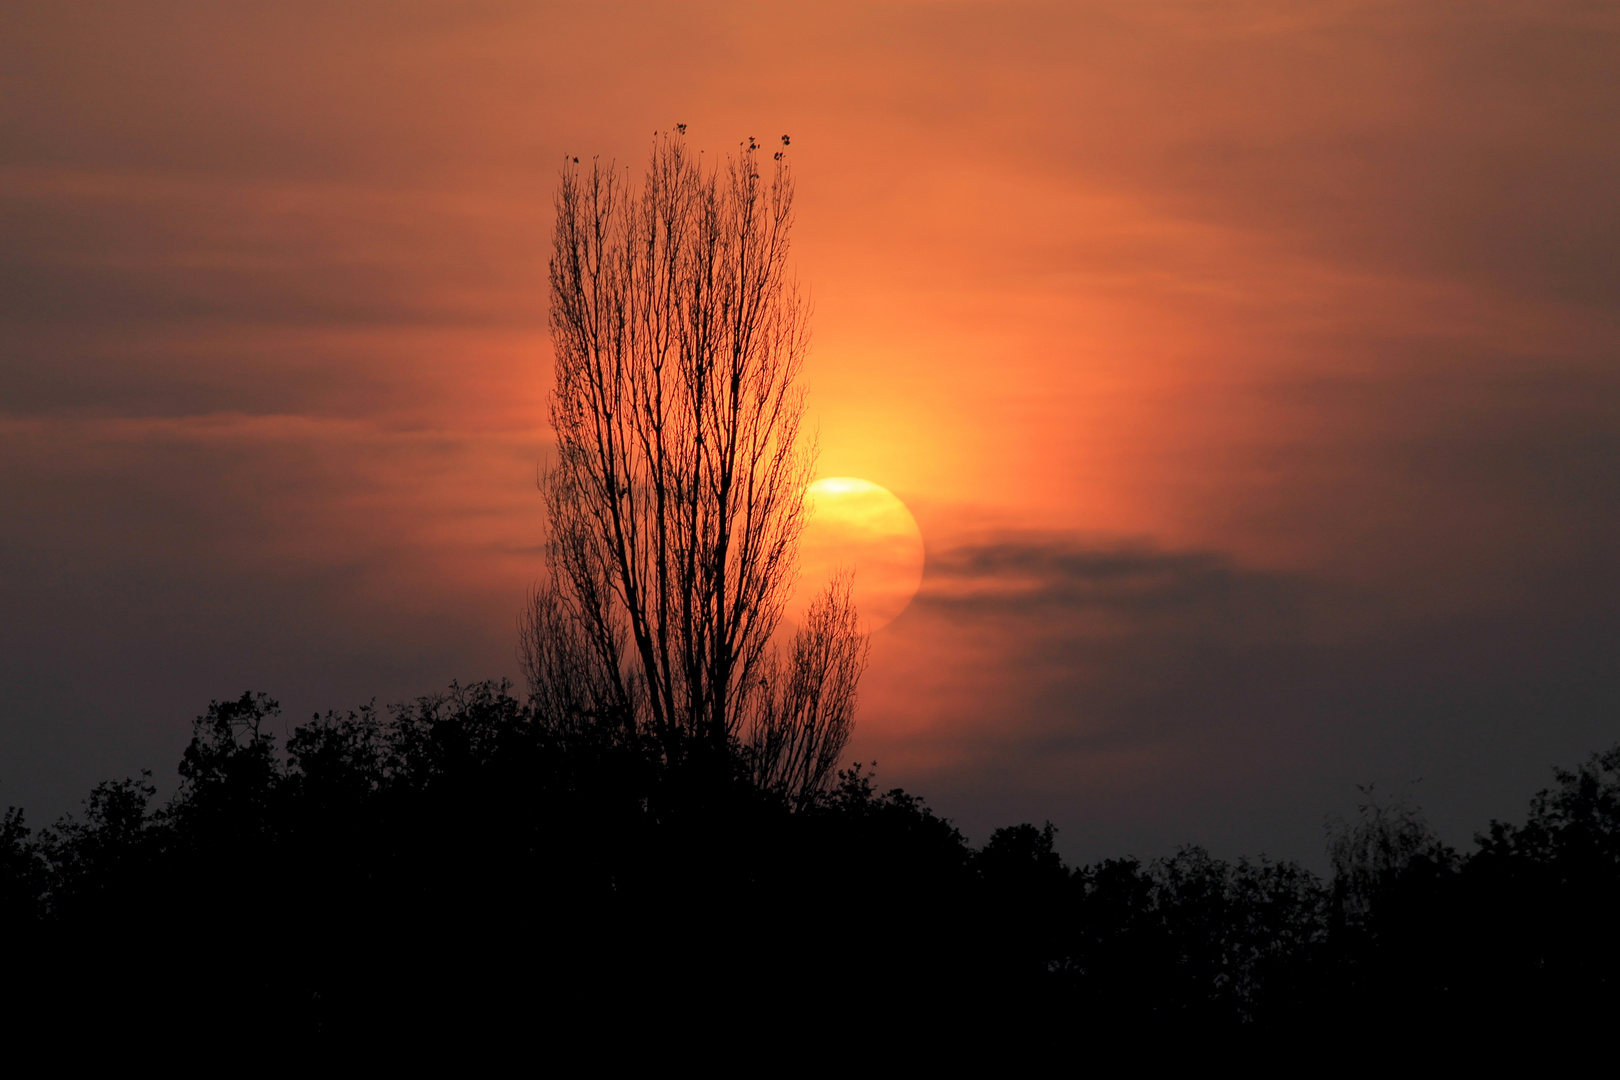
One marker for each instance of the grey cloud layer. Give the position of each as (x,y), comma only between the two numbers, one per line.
(1144,697)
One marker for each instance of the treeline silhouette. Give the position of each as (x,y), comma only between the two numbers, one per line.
(453,863)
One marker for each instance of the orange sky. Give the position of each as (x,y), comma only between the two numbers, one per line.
(1260,358)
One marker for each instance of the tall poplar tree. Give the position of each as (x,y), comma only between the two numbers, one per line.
(678,494)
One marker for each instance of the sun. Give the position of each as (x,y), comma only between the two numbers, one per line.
(859,526)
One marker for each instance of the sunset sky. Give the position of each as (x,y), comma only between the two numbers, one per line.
(1252,371)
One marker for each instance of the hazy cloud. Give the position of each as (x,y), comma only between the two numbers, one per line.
(1318,302)
(1141,695)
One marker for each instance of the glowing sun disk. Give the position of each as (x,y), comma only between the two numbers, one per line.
(859,527)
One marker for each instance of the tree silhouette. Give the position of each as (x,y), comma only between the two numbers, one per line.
(677,497)
(458,864)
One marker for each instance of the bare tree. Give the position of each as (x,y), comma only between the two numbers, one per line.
(677,497)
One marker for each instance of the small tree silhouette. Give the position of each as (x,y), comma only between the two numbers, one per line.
(1388,840)
(677,498)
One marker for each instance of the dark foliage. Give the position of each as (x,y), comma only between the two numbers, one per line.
(454,864)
